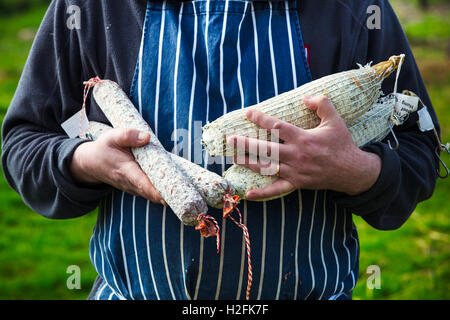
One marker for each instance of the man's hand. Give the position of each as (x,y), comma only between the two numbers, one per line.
(110,160)
(321,158)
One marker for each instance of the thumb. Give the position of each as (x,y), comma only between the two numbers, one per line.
(128,138)
(322,106)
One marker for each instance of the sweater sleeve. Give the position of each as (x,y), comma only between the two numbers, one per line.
(36,153)
(408,175)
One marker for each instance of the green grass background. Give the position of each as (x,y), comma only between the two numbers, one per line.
(414,260)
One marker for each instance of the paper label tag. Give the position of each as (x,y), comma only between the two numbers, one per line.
(76,124)
(425,122)
(404,105)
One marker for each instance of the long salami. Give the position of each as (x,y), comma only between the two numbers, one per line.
(175,188)
(212,187)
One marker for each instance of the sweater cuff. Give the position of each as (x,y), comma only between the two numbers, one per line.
(382,192)
(86,196)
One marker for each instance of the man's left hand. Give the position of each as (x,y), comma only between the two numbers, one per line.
(324,157)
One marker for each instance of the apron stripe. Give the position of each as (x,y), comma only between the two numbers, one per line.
(139,66)
(291,47)
(194,79)
(186,292)
(355,241)
(138,269)
(255,30)
(163,241)
(124,256)
(111,296)
(263,257)
(223,230)
(272,58)
(238,51)
(300,212)
(222,93)
(243,255)
(207,65)
(149,260)
(309,246)
(281,248)
(177,61)
(147,237)
(264,234)
(102,246)
(175,127)
(99,294)
(92,256)
(158,77)
(109,243)
(333,248)
(200,269)
(343,243)
(100,231)
(222,39)
(191,106)
(275,87)
(321,244)
(241,94)
(206,155)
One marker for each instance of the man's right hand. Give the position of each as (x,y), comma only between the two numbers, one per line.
(109,160)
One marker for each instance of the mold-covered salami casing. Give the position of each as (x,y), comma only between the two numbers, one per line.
(175,188)
(210,185)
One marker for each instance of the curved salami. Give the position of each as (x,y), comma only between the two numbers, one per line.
(175,188)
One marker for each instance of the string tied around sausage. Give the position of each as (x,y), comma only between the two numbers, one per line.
(230,205)
(87,86)
(208,227)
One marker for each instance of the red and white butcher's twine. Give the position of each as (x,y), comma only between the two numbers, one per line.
(87,86)
(230,203)
(208,227)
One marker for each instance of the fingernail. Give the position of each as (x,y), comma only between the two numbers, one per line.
(306,97)
(164,203)
(142,136)
(249,114)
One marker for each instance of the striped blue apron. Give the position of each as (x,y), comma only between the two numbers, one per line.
(197,61)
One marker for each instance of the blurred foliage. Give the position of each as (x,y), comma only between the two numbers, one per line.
(14,6)
(414,260)
(430,28)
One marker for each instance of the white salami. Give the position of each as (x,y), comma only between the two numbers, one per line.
(175,188)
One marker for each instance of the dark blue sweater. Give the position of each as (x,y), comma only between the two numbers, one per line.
(36,153)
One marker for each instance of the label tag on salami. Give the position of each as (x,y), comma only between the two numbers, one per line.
(76,124)
(404,105)
(425,122)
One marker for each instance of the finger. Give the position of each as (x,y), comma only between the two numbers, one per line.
(127,138)
(266,168)
(277,188)
(322,106)
(260,148)
(141,185)
(282,129)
